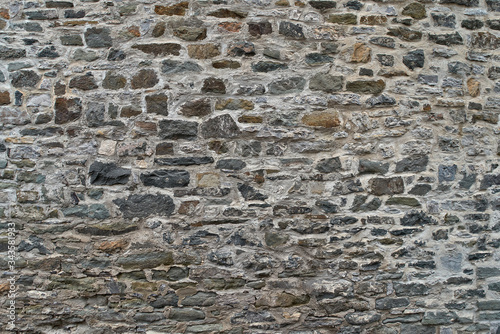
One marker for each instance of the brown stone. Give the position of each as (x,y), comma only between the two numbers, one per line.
(157,104)
(4,98)
(130,111)
(4,12)
(67,110)
(227,13)
(203,51)
(191,33)
(250,119)
(147,126)
(188,207)
(208,180)
(198,108)
(415,10)
(59,88)
(134,31)
(112,246)
(177,9)
(389,186)
(260,28)
(144,79)
(213,85)
(165,148)
(474,87)
(114,81)
(159,29)
(230,26)
(485,40)
(361,53)
(159,49)
(226,64)
(325,119)
(234,104)
(83,82)
(373,20)
(4,287)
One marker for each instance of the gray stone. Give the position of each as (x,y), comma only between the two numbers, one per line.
(175,66)
(415,218)
(170,299)
(389,186)
(95,211)
(447,39)
(250,193)
(329,165)
(95,114)
(447,173)
(291,30)
(201,298)
(439,318)
(108,174)
(417,329)
(489,180)
(316,59)
(358,318)
(166,178)
(412,164)
(142,206)
(387,42)
(81,54)
(414,59)
(173,274)
(444,20)
(98,38)
(250,317)
(142,317)
(326,83)
(186,314)
(287,86)
(380,101)
(145,260)
(177,129)
(230,164)
(25,78)
(10,53)
(411,289)
(389,303)
(222,126)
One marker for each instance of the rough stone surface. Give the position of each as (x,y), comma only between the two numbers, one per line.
(253,166)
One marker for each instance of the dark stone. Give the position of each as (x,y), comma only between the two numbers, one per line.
(250,317)
(177,129)
(353,4)
(170,299)
(287,86)
(230,164)
(383,41)
(145,205)
(467,181)
(201,298)
(71,40)
(190,33)
(417,329)
(347,18)
(220,257)
(389,186)
(410,289)
(222,126)
(260,28)
(405,34)
(415,218)
(447,173)
(175,66)
(467,3)
(472,24)
(448,144)
(173,274)
(116,55)
(94,211)
(327,207)
(145,78)
(380,101)
(48,52)
(493,24)
(45,132)
(446,39)
(98,38)
(314,59)
(213,85)
(291,30)
(95,114)
(83,82)
(412,164)
(146,260)
(493,5)
(67,110)
(240,49)
(414,59)
(408,201)
(249,193)
(329,165)
(107,229)
(141,317)
(25,78)
(326,83)
(415,10)
(50,14)
(385,60)
(114,81)
(184,161)
(157,104)
(389,303)
(443,20)
(74,14)
(489,180)
(268,66)
(323,4)
(420,189)
(494,72)
(227,13)
(108,174)
(367,72)
(359,318)
(439,318)
(10,53)
(366,87)
(58,4)
(186,314)
(359,204)
(166,178)
(199,108)
(484,40)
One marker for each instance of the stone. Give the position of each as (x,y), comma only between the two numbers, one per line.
(329,165)
(95,114)
(159,49)
(359,318)
(89,56)
(108,174)
(417,329)
(186,314)
(258,29)
(387,186)
(467,3)
(239,49)
(414,59)
(203,51)
(201,298)
(447,39)
(41,14)
(268,66)
(230,164)
(157,104)
(145,260)
(492,24)
(366,87)
(190,34)
(221,64)
(222,126)
(159,29)
(114,81)
(291,30)
(198,108)
(178,9)
(484,40)
(372,167)
(417,163)
(93,211)
(67,110)
(287,86)
(415,10)
(142,206)
(439,318)
(25,78)
(472,24)
(443,20)
(116,55)
(411,289)
(227,13)
(389,303)
(361,53)
(144,79)
(326,83)
(347,18)
(184,161)
(98,38)
(174,66)
(4,98)
(387,42)
(213,85)
(324,119)
(415,218)
(489,180)
(10,53)
(405,34)
(447,173)
(316,59)
(177,129)
(166,178)
(83,82)
(473,86)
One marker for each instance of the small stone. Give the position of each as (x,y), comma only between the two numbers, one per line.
(347,18)
(198,108)
(144,79)
(239,49)
(361,53)
(415,10)
(373,20)
(190,34)
(213,85)
(71,40)
(130,111)
(85,55)
(159,49)
(165,149)
(384,41)
(291,30)
(222,126)
(472,24)
(221,64)
(116,55)
(4,98)
(41,15)
(186,314)
(473,86)
(178,9)
(268,66)
(405,34)
(315,59)
(366,87)
(145,205)
(354,4)
(443,20)
(67,110)
(467,3)
(157,104)
(159,29)
(203,51)
(484,40)
(447,39)
(326,82)
(230,164)
(26,78)
(275,239)
(325,119)
(414,59)
(114,81)
(258,29)
(108,174)
(83,82)
(408,201)
(98,38)
(287,86)
(177,129)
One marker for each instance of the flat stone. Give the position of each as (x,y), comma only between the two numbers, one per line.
(145,260)
(389,303)
(389,186)
(372,167)
(447,39)
(417,163)
(10,53)
(227,13)
(108,174)
(484,40)
(177,129)
(89,56)
(406,34)
(230,164)
(175,66)
(329,165)
(142,206)
(198,108)
(114,81)
(166,178)
(144,79)
(347,18)
(411,289)
(326,82)
(415,10)
(201,298)
(258,29)
(415,218)
(239,49)
(291,30)
(159,49)
(439,318)
(67,110)
(190,34)
(83,82)
(472,24)
(98,38)
(157,104)
(94,211)
(287,86)
(222,126)
(95,114)
(203,51)
(213,85)
(366,87)
(184,161)
(186,314)
(268,66)
(359,318)
(178,9)
(387,42)
(25,78)
(324,119)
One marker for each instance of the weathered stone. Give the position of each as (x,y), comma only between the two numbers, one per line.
(366,87)
(389,303)
(329,165)
(325,119)
(439,318)
(343,19)
(144,79)
(415,10)
(174,66)
(472,24)
(184,161)
(414,59)
(114,81)
(95,114)
(405,34)
(157,104)
(326,82)
(358,318)
(98,38)
(443,20)
(159,49)
(230,164)
(178,9)
(4,98)
(108,174)
(258,29)
(213,85)
(142,206)
(166,178)
(190,34)
(200,298)
(10,53)
(268,66)
(203,51)
(372,167)
(291,30)
(198,108)
(484,40)
(227,13)
(85,55)
(186,314)
(239,49)
(316,59)
(177,129)
(222,126)
(25,78)
(83,82)
(416,163)
(145,260)
(221,64)
(94,211)
(287,86)
(389,186)
(415,218)
(447,39)
(383,41)
(67,110)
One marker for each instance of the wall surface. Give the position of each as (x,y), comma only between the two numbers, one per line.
(253,166)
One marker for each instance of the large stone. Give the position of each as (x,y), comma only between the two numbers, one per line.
(178,9)
(145,78)
(176,66)
(190,34)
(388,186)
(415,10)
(166,178)
(25,78)
(361,53)
(415,218)
(198,108)
(177,129)
(10,53)
(324,119)
(329,165)
(347,18)
(98,38)
(145,260)
(417,163)
(405,34)
(258,29)
(359,318)
(83,82)
(239,49)
(414,59)
(326,83)
(213,85)
(95,114)
(230,164)
(201,298)
(222,126)
(114,81)
(484,40)
(366,87)
(94,211)
(389,303)
(439,318)
(203,51)
(291,30)
(287,86)
(268,66)
(372,167)
(108,174)
(447,39)
(67,110)
(186,314)
(157,104)
(411,289)
(142,206)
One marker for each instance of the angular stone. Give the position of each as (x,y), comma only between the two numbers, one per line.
(71,40)
(159,29)
(249,193)
(213,85)
(190,34)
(467,3)
(326,82)
(83,82)
(108,174)
(10,53)
(179,9)
(359,318)
(25,78)
(198,108)
(145,260)
(130,111)
(389,303)
(492,24)
(417,163)
(411,289)
(405,34)
(98,38)
(175,66)
(415,218)
(472,24)
(116,55)
(447,173)
(114,81)
(239,49)
(408,201)
(258,29)
(268,66)
(203,51)
(361,53)
(166,178)
(447,39)
(85,55)
(439,318)
(489,180)
(325,119)
(227,13)
(443,20)
(67,110)
(95,114)
(230,164)
(142,206)
(291,30)
(347,18)
(4,98)
(201,298)
(473,86)
(186,314)
(94,211)
(389,186)
(234,104)
(41,14)
(366,87)
(184,161)
(417,329)
(484,40)
(177,129)
(219,64)
(249,317)
(373,20)
(222,126)
(157,104)
(145,78)
(383,41)
(329,165)
(159,49)
(109,230)
(287,86)
(414,59)
(372,167)
(415,10)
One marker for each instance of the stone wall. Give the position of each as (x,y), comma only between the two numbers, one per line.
(250,166)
